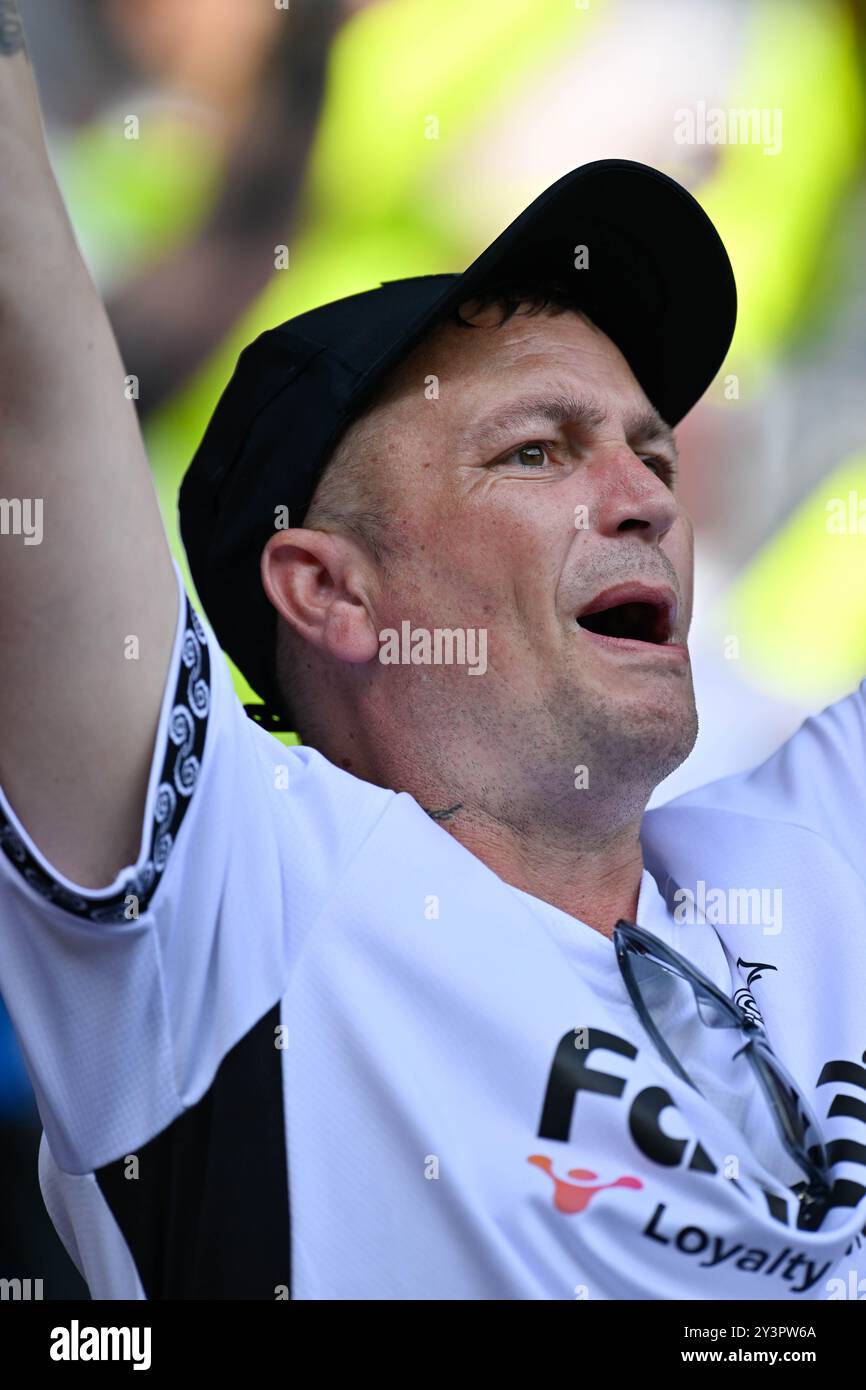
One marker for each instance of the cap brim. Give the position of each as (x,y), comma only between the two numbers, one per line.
(645,262)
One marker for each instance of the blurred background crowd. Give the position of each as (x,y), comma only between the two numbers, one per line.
(379,138)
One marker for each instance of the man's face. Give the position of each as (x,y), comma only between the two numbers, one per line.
(515,527)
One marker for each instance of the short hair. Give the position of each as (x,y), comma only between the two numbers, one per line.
(349,496)
(542,296)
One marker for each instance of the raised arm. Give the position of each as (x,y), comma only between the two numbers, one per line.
(88,598)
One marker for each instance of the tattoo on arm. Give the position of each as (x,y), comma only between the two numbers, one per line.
(11,31)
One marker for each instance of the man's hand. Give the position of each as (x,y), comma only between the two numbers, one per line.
(84,562)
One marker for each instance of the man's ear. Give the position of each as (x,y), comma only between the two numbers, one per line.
(323,584)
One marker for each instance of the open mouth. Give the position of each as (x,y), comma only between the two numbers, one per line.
(636,622)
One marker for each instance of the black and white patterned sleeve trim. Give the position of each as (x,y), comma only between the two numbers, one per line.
(186,728)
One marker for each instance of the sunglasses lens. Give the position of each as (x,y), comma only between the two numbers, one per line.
(706,1042)
(671,991)
(800,1124)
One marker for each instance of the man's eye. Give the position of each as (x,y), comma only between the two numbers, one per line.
(529,456)
(664,467)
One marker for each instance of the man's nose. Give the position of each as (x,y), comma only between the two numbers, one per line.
(630,496)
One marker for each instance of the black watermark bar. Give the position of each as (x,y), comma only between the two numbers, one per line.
(153,1339)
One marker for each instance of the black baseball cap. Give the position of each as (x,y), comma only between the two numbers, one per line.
(643,260)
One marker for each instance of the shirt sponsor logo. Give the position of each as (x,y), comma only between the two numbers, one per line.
(572,1074)
(792,1265)
(569,1197)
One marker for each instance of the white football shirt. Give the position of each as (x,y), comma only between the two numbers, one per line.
(309,1046)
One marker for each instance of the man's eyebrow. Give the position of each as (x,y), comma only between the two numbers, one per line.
(647,426)
(643,426)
